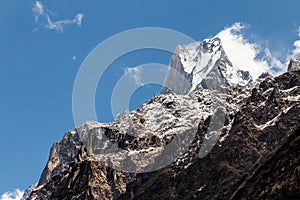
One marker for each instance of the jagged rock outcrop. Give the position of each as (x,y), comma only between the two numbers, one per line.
(85,178)
(294,64)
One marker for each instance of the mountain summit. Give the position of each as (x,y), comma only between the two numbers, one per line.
(204,64)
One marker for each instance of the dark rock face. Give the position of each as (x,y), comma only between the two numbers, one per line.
(84,179)
(257,142)
(61,156)
(177,80)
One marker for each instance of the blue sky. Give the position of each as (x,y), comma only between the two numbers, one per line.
(38,64)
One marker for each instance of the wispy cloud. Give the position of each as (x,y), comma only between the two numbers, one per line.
(43,16)
(38,10)
(276,66)
(135,73)
(17,194)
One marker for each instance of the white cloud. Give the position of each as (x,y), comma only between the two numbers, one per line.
(241,52)
(59,25)
(296,51)
(17,194)
(43,16)
(244,54)
(135,73)
(38,10)
(78,18)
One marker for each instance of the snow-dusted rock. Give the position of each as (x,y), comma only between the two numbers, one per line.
(294,64)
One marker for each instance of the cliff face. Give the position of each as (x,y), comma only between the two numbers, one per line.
(85,178)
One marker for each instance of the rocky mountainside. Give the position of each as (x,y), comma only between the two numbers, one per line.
(205,140)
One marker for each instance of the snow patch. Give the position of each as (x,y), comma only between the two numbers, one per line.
(290,89)
(287,110)
(292,98)
(272,122)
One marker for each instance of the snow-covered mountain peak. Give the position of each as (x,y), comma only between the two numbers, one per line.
(190,55)
(204,64)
